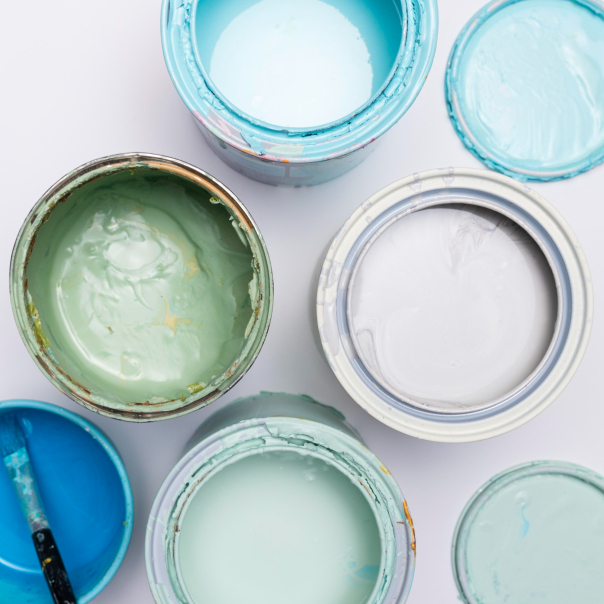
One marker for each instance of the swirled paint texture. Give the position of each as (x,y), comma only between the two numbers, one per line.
(525,87)
(142,284)
(538,538)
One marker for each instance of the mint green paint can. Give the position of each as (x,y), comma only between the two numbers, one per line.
(277,499)
(141,286)
(533,534)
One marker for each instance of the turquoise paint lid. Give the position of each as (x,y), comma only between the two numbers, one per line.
(525,87)
(533,534)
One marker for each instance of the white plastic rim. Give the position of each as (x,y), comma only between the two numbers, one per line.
(500,194)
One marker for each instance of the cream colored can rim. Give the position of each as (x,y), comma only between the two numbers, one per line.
(500,194)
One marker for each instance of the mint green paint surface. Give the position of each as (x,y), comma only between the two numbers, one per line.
(528,76)
(142,285)
(538,539)
(279,527)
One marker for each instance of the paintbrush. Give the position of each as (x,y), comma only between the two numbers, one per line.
(13,450)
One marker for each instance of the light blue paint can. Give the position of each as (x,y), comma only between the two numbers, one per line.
(293,93)
(276,500)
(87,498)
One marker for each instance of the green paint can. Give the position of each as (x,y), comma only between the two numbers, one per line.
(141,287)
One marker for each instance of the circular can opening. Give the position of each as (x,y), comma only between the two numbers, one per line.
(452,308)
(278,500)
(139,287)
(278,526)
(296,64)
(534,533)
(524,87)
(455,304)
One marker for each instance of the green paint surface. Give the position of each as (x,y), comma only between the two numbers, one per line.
(142,286)
(279,527)
(538,539)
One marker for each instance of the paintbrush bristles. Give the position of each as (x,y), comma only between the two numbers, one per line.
(12,437)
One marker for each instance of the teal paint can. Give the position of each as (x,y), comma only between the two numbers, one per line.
(294,93)
(279,492)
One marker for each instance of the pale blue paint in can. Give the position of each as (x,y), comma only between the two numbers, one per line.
(265,429)
(294,93)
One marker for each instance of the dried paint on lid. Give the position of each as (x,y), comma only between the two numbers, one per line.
(524,87)
(533,534)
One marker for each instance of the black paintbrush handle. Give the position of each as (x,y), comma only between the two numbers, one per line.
(53,567)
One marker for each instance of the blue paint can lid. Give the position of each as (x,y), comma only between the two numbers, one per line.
(524,87)
(534,533)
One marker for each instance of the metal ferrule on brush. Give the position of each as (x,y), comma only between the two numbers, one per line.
(21,473)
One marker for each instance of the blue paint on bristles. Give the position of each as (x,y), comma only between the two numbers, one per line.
(12,437)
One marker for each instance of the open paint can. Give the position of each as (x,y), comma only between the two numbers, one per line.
(87,499)
(534,533)
(277,500)
(293,93)
(141,287)
(455,305)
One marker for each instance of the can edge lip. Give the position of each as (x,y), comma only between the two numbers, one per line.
(574,470)
(121,161)
(469,140)
(118,463)
(581,317)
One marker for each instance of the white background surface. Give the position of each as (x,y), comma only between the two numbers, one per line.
(85,79)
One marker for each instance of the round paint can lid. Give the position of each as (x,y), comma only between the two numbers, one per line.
(524,87)
(534,533)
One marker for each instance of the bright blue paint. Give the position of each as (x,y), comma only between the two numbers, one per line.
(87,499)
(525,87)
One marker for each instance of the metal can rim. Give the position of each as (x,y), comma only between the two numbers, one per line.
(345,136)
(578,302)
(98,168)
